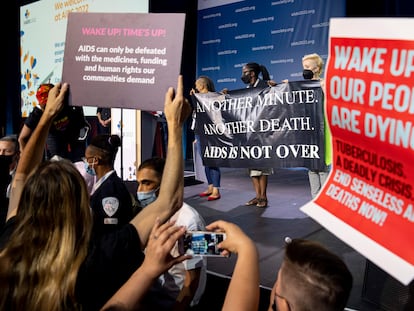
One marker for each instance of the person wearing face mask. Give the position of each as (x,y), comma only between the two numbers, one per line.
(9,157)
(312,70)
(110,201)
(259,176)
(183,285)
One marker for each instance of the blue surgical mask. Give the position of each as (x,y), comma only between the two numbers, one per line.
(90,170)
(146,198)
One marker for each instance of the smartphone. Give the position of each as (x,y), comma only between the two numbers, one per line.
(202,243)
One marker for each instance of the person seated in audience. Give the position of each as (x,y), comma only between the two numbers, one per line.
(9,157)
(244,289)
(310,278)
(183,285)
(48,260)
(111,202)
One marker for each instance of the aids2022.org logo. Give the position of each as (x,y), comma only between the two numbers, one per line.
(27,19)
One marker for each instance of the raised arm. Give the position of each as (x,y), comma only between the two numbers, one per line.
(243,292)
(32,155)
(24,136)
(170,199)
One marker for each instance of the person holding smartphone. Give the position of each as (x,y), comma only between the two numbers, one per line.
(243,293)
(182,285)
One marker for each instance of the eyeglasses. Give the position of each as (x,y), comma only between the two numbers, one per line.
(280,297)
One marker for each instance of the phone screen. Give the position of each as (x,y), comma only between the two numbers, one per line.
(202,243)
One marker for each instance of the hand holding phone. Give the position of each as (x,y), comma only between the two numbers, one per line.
(201,243)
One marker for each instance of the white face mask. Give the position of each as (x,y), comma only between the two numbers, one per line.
(89,169)
(146,198)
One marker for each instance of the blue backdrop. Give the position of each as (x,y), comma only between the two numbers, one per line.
(276,34)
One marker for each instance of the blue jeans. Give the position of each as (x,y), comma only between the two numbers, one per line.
(213,175)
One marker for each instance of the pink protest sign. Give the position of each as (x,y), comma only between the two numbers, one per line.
(368,198)
(122,60)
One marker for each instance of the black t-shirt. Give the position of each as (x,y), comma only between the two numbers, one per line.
(66,125)
(111,260)
(64,133)
(105,113)
(33,119)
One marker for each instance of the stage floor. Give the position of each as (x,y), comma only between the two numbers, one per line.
(288,190)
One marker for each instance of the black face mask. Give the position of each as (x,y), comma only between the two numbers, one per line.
(307,74)
(245,79)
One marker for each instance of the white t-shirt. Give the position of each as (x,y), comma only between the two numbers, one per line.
(171,283)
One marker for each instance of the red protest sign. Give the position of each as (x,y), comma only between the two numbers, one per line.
(368,198)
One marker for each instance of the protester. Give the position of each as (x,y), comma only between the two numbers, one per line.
(213,174)
(312,70)
(310,278)
(250,76)
(64,134)
(48,260)
(183,285)
(33,119)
